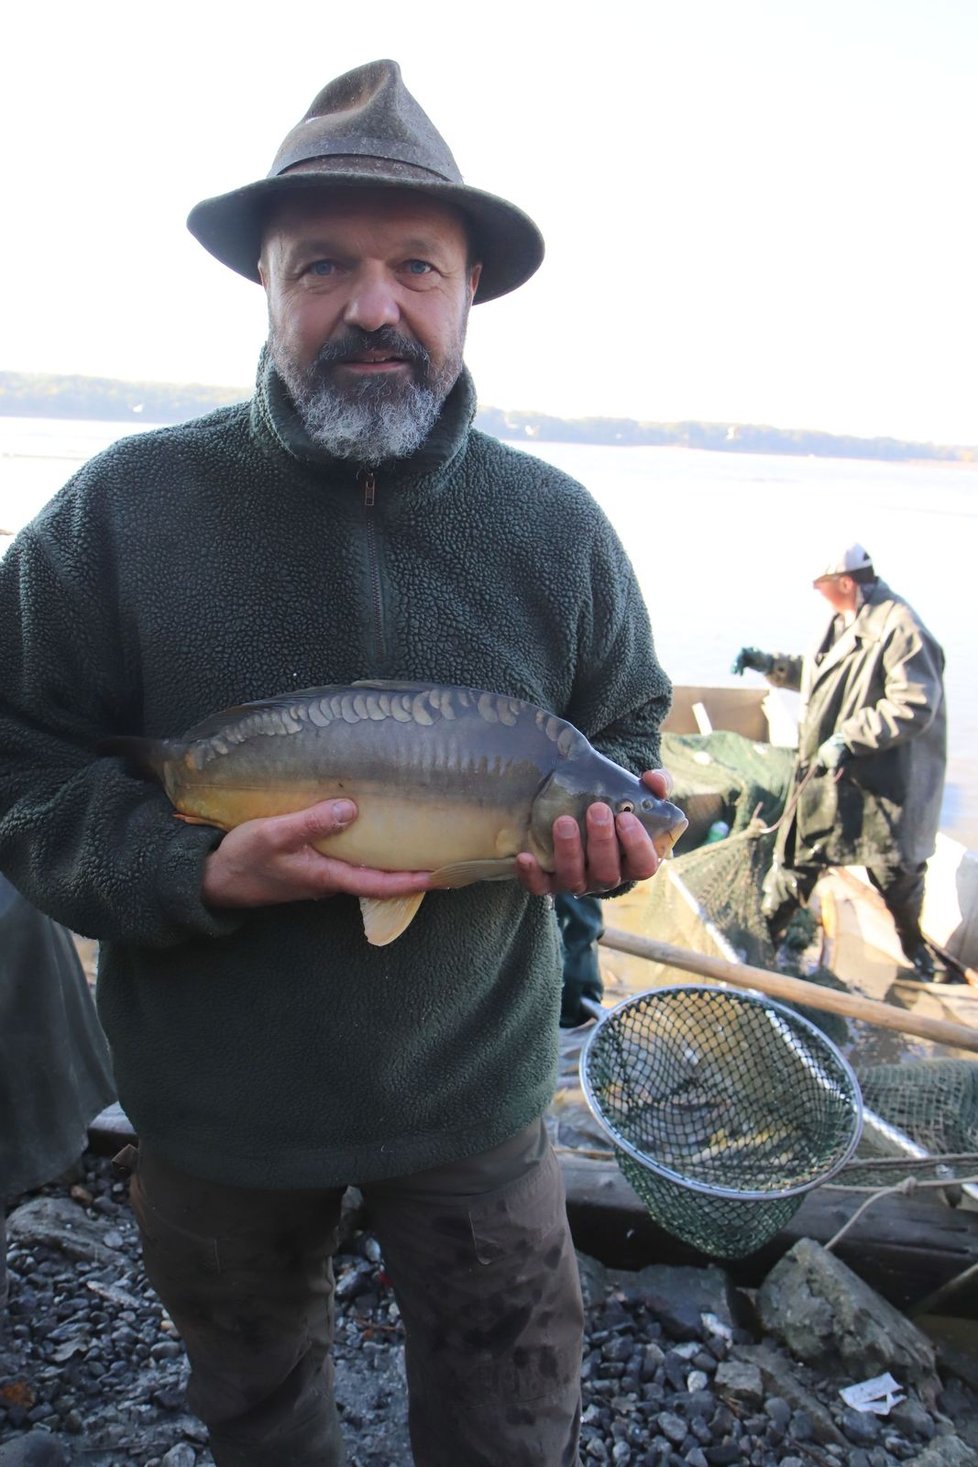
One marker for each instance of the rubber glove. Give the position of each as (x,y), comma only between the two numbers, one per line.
(832,755)
(753,658)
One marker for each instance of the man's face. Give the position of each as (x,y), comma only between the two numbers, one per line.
(368,297)
(839,592)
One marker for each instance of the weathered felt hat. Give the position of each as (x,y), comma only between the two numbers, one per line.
(365,130)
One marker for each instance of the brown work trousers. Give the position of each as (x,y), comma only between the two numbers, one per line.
(481,1260)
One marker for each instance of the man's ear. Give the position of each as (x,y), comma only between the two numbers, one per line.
(262,276)
(474,275)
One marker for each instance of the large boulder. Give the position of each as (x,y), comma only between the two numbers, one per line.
(826,1316)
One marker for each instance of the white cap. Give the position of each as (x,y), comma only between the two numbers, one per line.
(852,558)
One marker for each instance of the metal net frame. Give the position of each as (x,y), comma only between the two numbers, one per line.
(724,1109)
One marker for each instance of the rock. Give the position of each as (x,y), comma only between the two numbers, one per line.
(863,1428)
(725,1454)
(353,1215)
(56,1222)
(679,1297)
(182,1455)
(828,1317)
(777,1408)
(741,1380)
(37,1449)
(960,1406)
(673,1427)
(594,1280)
(910,1418)
(945,1451)
(653,1357)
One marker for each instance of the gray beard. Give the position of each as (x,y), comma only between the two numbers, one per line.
(369,421)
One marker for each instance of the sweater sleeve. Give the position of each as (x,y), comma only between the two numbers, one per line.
(95,848)
(786,671)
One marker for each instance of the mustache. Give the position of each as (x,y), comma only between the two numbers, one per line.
(385,339)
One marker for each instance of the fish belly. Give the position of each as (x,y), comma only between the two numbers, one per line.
(392,831)
(395,834)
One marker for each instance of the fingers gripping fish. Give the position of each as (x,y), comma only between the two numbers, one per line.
(455,781)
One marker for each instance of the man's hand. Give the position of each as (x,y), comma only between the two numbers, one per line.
(272,860)
(753,658)
(618,849)
(832,755)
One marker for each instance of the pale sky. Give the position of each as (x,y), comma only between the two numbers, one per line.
(760,211)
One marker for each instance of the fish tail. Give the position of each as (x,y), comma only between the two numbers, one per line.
(145,755)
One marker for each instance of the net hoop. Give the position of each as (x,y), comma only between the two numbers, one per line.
(792,1021)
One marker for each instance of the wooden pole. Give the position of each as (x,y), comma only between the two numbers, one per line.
(968,974)
(794,990)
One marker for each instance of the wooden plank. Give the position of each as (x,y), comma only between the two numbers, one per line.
(904,1247)
(794,990)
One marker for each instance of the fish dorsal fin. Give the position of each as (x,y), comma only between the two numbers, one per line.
(383,920)
(393,686)
(465,873)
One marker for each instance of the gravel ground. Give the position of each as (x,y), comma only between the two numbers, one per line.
(92,1371)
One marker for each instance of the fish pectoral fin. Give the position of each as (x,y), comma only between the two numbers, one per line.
(466,873)
(195,819)
(384,919)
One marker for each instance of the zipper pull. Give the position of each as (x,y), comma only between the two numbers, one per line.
(369,488)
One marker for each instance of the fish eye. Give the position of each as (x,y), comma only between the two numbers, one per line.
(626,807)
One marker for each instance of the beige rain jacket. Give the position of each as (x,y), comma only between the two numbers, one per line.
(880,686)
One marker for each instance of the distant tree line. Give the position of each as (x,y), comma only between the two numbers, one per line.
(40,395)
(719,437)
(29,394)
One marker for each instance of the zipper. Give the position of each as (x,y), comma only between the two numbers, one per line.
(369,483)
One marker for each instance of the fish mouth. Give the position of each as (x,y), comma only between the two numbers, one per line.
(663,843)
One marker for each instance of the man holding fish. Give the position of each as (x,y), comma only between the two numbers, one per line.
(439,682)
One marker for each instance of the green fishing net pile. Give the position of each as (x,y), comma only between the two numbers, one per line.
(724,776)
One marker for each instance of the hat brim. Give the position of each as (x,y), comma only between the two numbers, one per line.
(507,242)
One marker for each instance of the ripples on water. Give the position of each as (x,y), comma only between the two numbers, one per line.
(725,546)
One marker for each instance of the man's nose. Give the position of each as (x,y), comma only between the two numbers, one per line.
(373,301)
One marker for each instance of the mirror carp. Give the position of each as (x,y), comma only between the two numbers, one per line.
(451,780)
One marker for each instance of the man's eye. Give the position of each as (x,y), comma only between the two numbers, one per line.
(321,267)
(418,267)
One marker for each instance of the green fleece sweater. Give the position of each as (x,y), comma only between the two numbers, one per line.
(227,560)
